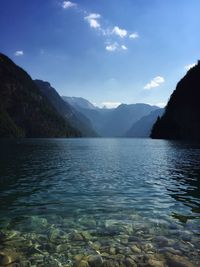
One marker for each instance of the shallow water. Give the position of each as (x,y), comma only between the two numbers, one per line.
(99,202)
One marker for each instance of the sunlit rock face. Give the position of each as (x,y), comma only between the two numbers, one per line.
(181,120)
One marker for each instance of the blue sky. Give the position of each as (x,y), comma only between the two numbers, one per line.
(108,51)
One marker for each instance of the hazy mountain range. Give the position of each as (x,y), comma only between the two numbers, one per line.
(112,122)
(35,109)
(31,108)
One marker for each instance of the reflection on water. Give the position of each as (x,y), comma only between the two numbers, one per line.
(92,202)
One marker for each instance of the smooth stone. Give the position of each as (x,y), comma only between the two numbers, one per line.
(169,250)
(78,257)
(86,235)
(88,222)
(36,221)
(119,257)
(110,263)
(95,261)
(94,245)
(124,240)
(155,263)
(105,254)
(82,263)
(51,262)
(54,234)
(135,249)
(130,262)
(62,248)
(25,263)
(7,235)
(7,257)
(125,251)
(162,241)
(148,247)
(178,261)
(112,251)
(75,236)
(133,239)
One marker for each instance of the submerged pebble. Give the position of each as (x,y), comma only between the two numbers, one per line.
(7,257)
(70,243)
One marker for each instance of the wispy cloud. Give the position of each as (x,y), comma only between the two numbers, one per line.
(134,35)
(68,4)
(110,104)
(92,19)
(155,82)
(123,47)
(19,53)
(112,47)
(120,32)
(189,66)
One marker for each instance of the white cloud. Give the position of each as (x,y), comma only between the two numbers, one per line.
(112,47)
(110,104)
(68,4)
(92,19)
(19,53)
(189,66)
(123,47)
(155,82)
(134,35)
(120,32)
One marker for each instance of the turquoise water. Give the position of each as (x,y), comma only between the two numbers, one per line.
(99,202)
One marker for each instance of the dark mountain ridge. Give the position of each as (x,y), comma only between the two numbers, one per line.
(24,110)
(181,120)
(76,119)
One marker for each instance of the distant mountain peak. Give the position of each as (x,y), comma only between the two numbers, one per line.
(79,102)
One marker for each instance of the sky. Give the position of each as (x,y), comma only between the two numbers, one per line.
(107,51)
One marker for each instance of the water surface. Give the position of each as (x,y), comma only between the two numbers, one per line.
(123,201)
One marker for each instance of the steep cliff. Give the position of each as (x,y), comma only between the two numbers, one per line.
(71,114)
(24,110)
(181,120)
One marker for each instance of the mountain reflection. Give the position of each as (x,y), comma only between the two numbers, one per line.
(185,173)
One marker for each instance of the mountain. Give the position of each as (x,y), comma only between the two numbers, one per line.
(142,128)
(181,120)
(123,117)
(114,122)
(76,118)
(97,116)
(79,102)
(24,110)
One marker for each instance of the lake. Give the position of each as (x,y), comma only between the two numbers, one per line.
(99,202)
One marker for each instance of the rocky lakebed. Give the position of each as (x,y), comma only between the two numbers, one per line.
(86,241)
